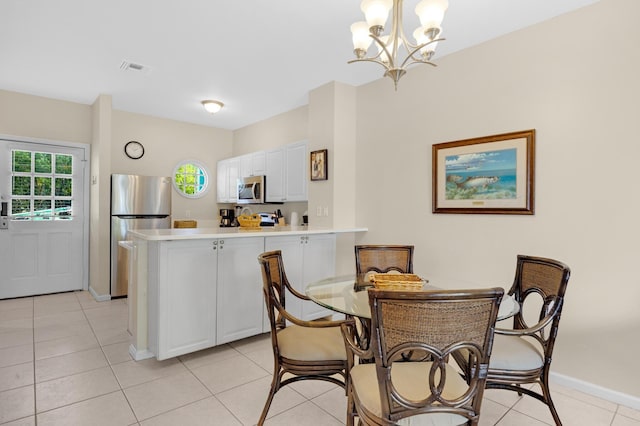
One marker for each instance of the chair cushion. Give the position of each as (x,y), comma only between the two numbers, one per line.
(411,379)
(514,353)
(312,343)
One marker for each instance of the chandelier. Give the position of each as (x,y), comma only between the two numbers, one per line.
(392,46)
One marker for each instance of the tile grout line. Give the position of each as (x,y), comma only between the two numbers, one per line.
(124,394)
(33,338)
(209,390)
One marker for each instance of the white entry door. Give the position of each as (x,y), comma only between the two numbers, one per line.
(42,247)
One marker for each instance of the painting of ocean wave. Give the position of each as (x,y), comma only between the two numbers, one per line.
(489,175)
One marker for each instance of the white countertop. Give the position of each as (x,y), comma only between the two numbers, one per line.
(235,232)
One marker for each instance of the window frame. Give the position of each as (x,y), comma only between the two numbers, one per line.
(204,173)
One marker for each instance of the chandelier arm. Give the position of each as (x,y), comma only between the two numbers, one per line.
(392,59)
(415,50)
(374,60)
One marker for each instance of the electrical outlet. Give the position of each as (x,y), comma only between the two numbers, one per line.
(188,213)
(326,211)
(318,211)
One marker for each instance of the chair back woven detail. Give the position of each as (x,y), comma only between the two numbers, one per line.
(384,258)
(302,349)
(438,325)
(549,279)
(433,323)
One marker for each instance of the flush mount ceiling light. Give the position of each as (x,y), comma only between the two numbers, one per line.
(212,106)
(391,46)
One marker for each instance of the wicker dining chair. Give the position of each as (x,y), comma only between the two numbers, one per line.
(304,349)
(429,390)
(522,355)
(384,258)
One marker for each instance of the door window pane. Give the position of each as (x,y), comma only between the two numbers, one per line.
(42,186)
(21,161)
(64,164)
(63,209)
(20,209)
(21,185)
(42,209)
(43,162)
(63,187)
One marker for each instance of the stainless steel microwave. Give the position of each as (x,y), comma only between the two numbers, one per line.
(251,190)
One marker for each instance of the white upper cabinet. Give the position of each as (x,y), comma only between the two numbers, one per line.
(227,184)
(286,169)
(275,176)
(296,171)
(252,164)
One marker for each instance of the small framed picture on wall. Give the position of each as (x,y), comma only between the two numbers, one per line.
(319,165)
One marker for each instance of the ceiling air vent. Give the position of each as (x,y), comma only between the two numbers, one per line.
(132,66)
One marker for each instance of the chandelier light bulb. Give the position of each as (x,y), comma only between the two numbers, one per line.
(376,13)
(422,37)
(431,14)
(360,37)
(212,106)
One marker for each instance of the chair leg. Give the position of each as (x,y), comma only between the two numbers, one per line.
(351,409)
(544,383)
(275,385)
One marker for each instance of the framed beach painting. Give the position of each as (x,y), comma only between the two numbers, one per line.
(491,174)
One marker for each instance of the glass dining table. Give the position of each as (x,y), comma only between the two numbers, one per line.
(347,294)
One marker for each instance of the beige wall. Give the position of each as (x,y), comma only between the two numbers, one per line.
(289,127)
(578,88)
(99,231)
(166,143)
(43,118)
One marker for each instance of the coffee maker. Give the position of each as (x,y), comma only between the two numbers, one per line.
(227,218)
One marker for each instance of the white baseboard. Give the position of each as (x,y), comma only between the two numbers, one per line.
(596,390)
(98,297)
(140,355)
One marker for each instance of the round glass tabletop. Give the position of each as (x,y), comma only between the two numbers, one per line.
(348,295)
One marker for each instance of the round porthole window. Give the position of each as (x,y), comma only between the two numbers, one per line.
(191,179)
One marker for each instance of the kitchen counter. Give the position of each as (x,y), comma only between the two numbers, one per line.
(191,288)
(233,232)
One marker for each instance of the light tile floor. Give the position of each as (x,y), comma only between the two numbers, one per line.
(64,361)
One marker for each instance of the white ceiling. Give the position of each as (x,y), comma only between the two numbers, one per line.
(259,57)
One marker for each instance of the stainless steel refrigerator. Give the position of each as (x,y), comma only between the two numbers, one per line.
(137,202)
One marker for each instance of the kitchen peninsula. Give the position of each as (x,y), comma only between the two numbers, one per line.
(194,288)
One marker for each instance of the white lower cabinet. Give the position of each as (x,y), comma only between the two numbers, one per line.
(182,296)
(240,303)
(203,293)
(206,292)
(306,258)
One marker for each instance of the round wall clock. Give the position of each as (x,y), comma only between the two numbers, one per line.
(134,150)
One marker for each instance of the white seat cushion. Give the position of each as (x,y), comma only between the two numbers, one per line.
(411,379)
(312,344)
(514,353)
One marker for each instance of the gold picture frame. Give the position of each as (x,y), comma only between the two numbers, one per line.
(318,166)
(491,174)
